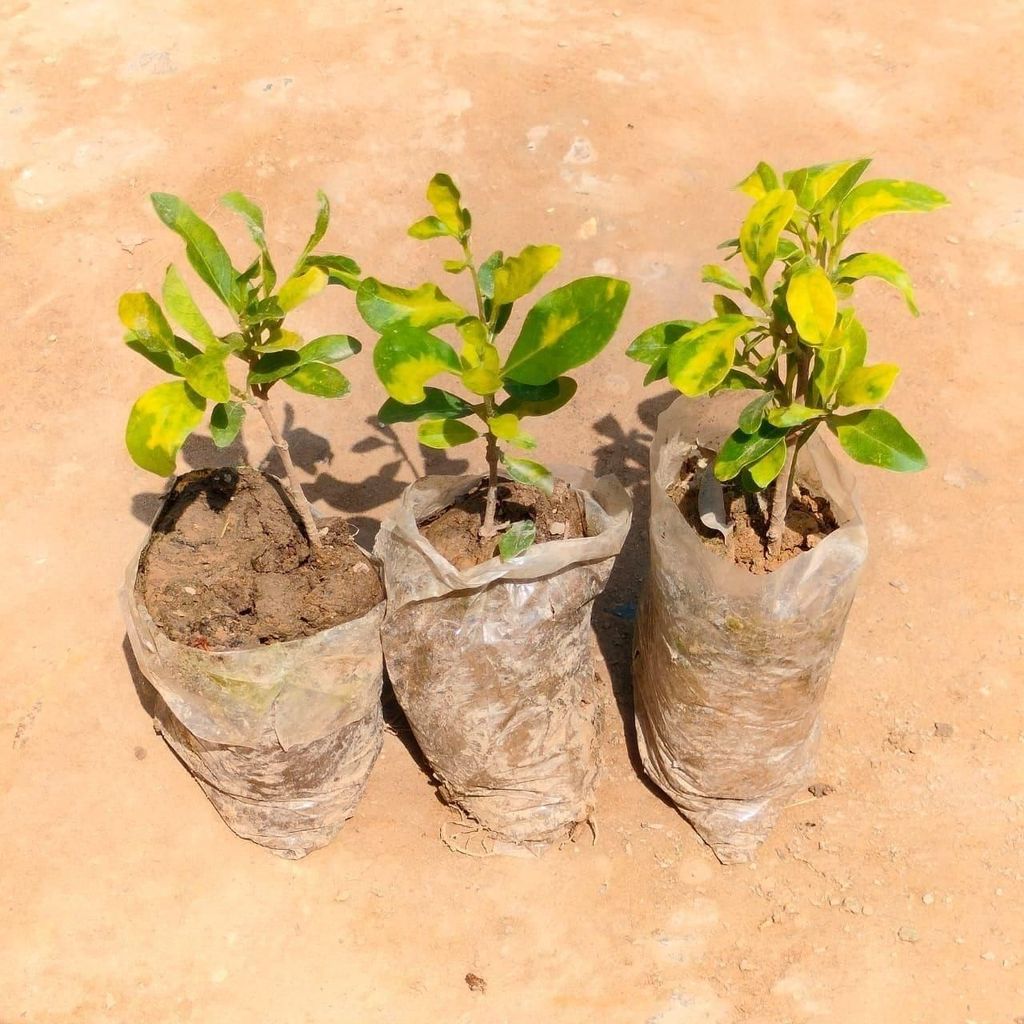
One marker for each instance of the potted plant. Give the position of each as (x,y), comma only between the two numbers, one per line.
(491,579)
(257,626)
(756,537)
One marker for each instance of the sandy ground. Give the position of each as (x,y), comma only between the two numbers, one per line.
(615,132)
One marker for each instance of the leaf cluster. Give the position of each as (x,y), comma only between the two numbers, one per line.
(164,416)
(787,327)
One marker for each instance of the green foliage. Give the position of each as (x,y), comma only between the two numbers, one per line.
(789,330)
(165,415)
(564,329)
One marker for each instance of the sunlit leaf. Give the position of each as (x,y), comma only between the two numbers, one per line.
(183,309)
(811,303)
(875,198)
(273,366)
(297,290)
(518,538)
(769,466)
(741,450)
(876,438)
(429,227)
(446,433)
(329,348)
(225,422)
(873,264)
(519,275)
(383,306)
(713,274)
(253,217)
(506,427)
(406,357)
(207,374)
(762,179)
(753,413)
(531,473)
(651,347)
(159,422)
(318,379)
(700,359)
(759,236)
(867,385)
(789,416)
(445,198)
(323,220)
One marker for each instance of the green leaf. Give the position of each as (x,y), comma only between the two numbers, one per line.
(273,366)
(279,338)
(659,371)
(741,450)
(226,422)
(203,248)
(519,275)
(159,422)
(253,217)
(886,195)
(446,433)
(790,416)
(867,385)
(182,307)
(812,184)
(873,264)
(724,306)
(142,315)
(406,357)
(811,303)
(527,400)
(207,374)
(429,227)
(566,328)
(737,380)
(651,347)
(769,466)
(329,348)
(713,274)
(445,198)
(486,273)
(762,179)
(531,473)
(298,289)
(454,266)
(759,236)
(876,438)
(340,269)
(481,380)
(753,413)
(318,379)
(383,306)
(323,220)
(437,405)
(829,202)
(258,313)
(700,360)
(518,538)
(829,364)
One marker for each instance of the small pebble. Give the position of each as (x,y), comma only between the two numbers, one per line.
(943,730)
(360,567)
(988,955)
(190,590)
(952,239)
(907,934)
(928,899)
(556,529)
(747,965)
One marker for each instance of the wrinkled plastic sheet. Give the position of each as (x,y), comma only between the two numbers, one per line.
(281,737)
(493,665)
(730,668)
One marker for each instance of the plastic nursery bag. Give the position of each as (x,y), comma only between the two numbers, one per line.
(729,668)
(281,737)
(493,665)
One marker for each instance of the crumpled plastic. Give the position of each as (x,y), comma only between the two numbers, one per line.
(493,665)
(281,737)
(729,668)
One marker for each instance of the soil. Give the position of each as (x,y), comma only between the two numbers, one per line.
(808,522)
(229,566)
(455,532)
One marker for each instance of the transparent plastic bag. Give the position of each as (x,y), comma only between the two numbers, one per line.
(730,668)
(281,737)
(493,665)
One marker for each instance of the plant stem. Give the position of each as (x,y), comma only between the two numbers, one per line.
(292,481)
(782,494)
(489,529)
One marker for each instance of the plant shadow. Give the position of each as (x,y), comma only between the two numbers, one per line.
(626,454)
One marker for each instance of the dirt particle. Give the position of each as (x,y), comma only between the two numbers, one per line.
(140,753)
(476,983)
(943,730)
(988,955)
(820,789)
(908,934)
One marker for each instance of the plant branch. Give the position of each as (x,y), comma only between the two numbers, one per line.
(292,481)
(489,529)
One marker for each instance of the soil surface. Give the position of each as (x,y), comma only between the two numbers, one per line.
(615,130)
(229,566)
(455,532)
(808,521)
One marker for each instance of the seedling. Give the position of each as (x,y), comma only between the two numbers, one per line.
(165,415)
(791,333)
(565,329)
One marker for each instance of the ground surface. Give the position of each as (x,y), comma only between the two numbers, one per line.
(616,132)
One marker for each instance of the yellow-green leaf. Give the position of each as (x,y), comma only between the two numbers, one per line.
(702,357)
(429,227)
(789,416)
(159,422)
(531,473)
(517,539)
(207,374)
(304,286)
(406,357)
(481,380)
(874,264)
(444,197)
(445,433)
(140,313)
(382,305)
(527,400)
(182,307)
(711,273)
(875,198)
(506,427)
(519,275)
(876,438)
(867,385)
(319,379)
(769,466)
(811,303)
(759,236)
(760,180)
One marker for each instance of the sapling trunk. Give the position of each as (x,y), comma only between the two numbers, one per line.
(489,529)
(292,480)
(781,495)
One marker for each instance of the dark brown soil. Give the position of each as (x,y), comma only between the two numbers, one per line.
(455,532)
(229,566)
(808,522)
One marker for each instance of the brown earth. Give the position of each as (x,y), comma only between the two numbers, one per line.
(229,566)
(616,130)
(455,532)
(809,520)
